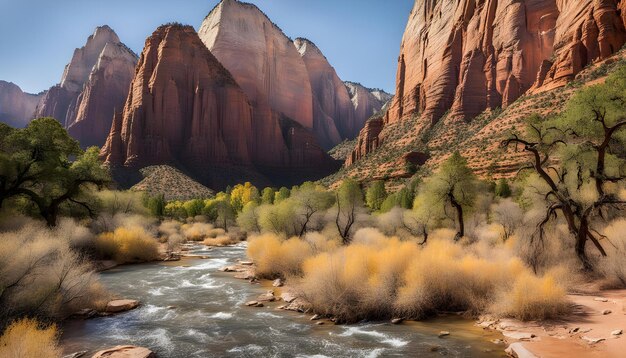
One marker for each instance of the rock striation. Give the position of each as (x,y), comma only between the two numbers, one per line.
(462,57)
(93,85)
(16,107)
(186,110)
(292,78)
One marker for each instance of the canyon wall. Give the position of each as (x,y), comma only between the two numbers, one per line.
(462,57)
(185,109)
(93,85)
(17,108)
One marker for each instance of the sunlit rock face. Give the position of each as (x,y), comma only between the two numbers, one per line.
(261,58)
(93,85)
(469,55)
(17,108)
(292,78)
(367,102)
(185,109)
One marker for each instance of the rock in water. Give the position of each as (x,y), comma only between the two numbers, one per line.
(125,352)
(121,305)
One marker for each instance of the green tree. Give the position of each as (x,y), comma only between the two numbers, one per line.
(454,185)
(349,198)
(282,194)
(193,207)
(376,195)
(503,190)
(44,165)
(578,157)
(309,200)
(156,205)
(267,196)
(248,219)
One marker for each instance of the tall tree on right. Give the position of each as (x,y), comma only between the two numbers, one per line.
(578,160)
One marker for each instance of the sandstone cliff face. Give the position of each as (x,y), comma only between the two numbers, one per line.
(467,56)
(366,102)
(291,78)
(333,115)
(261,58)
(464,57)
(93,85)
(185,109)
(16,107)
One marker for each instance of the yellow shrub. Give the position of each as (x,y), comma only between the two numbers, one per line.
(532,298)
(223,240)
(276,257)
(27,339)
(126,245)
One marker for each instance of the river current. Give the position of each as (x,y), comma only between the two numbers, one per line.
(190,309)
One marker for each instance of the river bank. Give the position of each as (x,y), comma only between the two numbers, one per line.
(191,309)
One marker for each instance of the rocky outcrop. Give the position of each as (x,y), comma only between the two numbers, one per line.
(366,101)
(185,109)
(334,117)
(93,85)
(261,58)
(368,140)
(468,56)
(16,107)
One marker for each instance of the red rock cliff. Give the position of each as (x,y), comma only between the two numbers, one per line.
(465,56)
(185,109)
(470,55)
(93,85)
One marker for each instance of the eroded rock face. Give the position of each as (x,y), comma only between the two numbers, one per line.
(185,109)
(367,102)
(93,85)
(16,107)
(467,56)
(261,58)
(463,57)
(368,140)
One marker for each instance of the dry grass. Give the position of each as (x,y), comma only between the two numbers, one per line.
(199,231)
(379,277)
(224,240)
(28,339)
(127,245)
(614,265)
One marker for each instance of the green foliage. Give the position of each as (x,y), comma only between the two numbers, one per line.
(44,165)
(376,195)
(242,195)
(503,190)
(282,194)
(267,196)
(156,205)
(193,207)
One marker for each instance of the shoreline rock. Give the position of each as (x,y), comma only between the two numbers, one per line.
(125,352)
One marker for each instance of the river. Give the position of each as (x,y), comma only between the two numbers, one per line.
(210,320)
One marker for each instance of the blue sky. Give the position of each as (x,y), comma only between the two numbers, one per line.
(361,38)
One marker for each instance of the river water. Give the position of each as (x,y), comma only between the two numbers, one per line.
(210,320)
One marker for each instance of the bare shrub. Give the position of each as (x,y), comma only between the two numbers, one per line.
(126,245)
(378,277)
(223,240)
(40,274)
(28,338)
(276,257)
(614,265)
(200,231)
(509,215)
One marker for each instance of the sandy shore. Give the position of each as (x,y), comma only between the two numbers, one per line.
(590,330)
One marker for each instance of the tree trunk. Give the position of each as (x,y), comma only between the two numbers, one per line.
(459,214)
(581,242)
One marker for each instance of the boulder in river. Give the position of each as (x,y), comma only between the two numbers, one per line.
(278,283)
(125,352)
(116,306)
